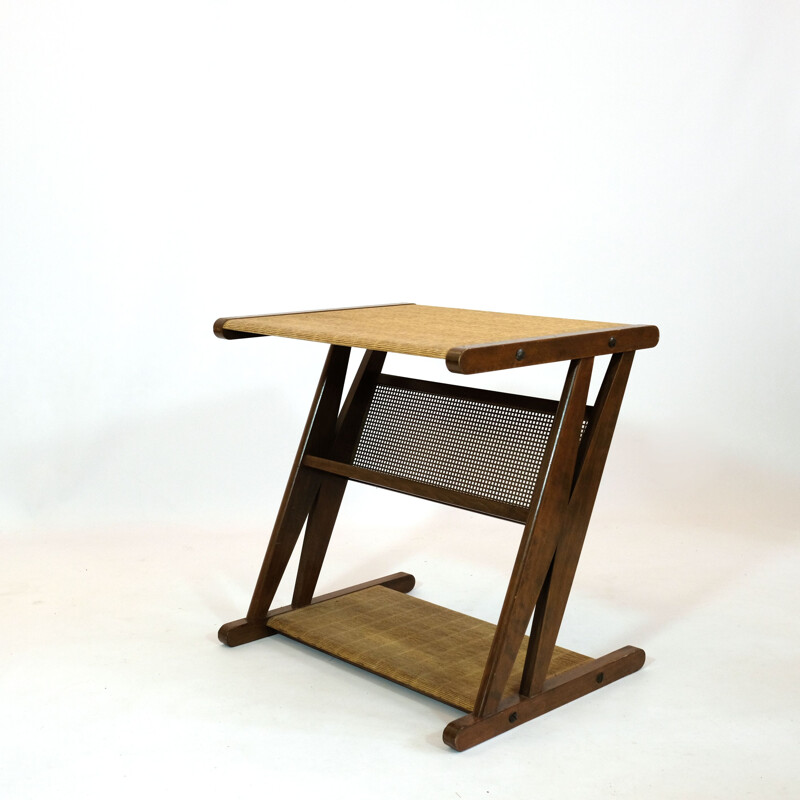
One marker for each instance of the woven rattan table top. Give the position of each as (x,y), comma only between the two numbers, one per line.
(469,341)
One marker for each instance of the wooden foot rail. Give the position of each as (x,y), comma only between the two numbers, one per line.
(242,631)
(471,729)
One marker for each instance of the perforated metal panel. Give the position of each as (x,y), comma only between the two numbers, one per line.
(461,443)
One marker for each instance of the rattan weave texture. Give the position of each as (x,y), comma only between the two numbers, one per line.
(428,648)
(412,329)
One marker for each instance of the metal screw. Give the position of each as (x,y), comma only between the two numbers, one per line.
(512,717)
(612,342)
(599,677)
(520,354)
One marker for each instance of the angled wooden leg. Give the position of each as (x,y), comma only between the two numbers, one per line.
(589,469)
(301,489)
(540,537)
(317,536)
(329,499)
(553,578)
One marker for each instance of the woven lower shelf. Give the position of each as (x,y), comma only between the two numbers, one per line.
(428,648)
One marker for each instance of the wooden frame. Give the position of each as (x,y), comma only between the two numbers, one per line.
(518,677)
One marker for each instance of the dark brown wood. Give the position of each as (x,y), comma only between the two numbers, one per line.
(539,538)
(536,648)
(302,486)
(472,729)
(242,631)
(577,513)
(226,333)
(502,399)
(448,497)
(316,538)
(326,507)
(471,359)
(221,332)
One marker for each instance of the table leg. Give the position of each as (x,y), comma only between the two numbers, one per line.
(545,569)
(539,538)
(301,490)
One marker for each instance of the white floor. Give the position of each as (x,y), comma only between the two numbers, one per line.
(113,683)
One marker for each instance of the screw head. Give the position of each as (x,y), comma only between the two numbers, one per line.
(599,677)
(512,717)
(612,342)
(520,354)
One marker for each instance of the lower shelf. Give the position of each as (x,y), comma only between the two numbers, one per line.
(425,647)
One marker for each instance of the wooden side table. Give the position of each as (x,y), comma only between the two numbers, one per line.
(531,461)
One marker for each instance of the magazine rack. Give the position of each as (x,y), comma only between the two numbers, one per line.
(527,460)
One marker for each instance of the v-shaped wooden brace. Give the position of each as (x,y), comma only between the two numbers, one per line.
(545,567)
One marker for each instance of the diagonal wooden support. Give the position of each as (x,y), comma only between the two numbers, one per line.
(551,561)
(301,490)
(577,512)
(326,507)
(539,538)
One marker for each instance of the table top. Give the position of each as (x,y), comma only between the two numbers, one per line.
(469,341)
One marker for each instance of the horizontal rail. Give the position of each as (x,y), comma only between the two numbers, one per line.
(501,399)
(449,497)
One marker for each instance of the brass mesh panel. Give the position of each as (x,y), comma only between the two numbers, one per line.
(484,449)
(433,650)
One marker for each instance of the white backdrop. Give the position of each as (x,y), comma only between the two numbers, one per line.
(163,164)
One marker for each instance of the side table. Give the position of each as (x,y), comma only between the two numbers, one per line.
(532,461)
